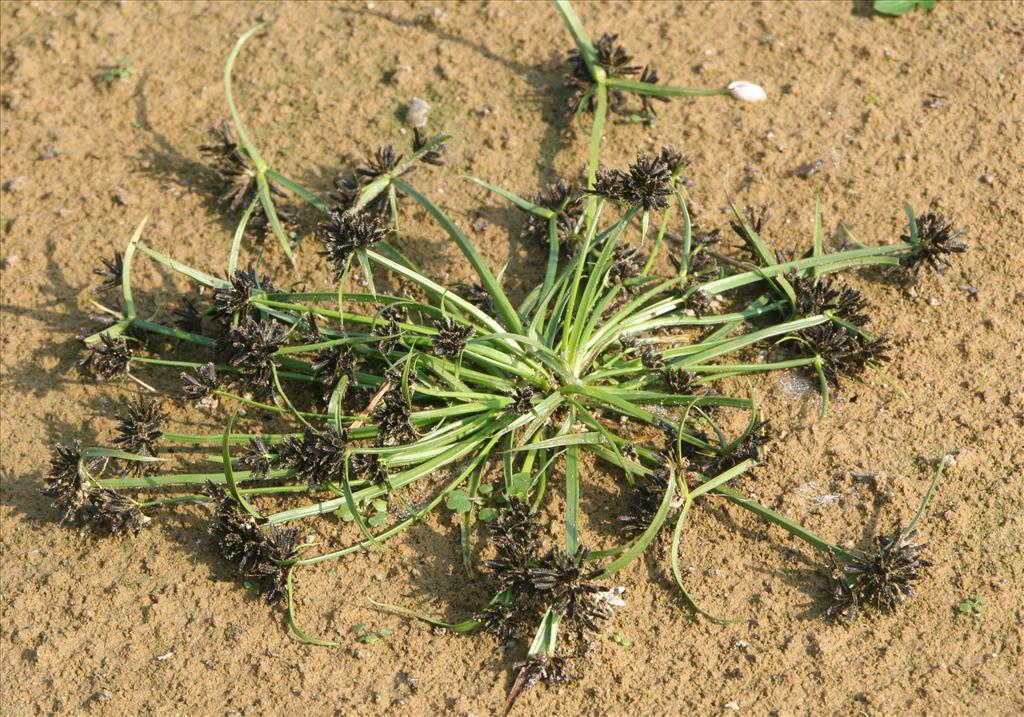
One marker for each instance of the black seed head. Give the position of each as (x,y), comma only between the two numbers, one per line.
(258,553)
(330,364)
(522,399)
(199,385)
(615,61)
(539,668)
(344,232)
(844,353)
(752,447)
(937,239)
(645,186)
(251,346)
(625,265)
(818,295)
(139,429)
(883,580)
(257,457)
(106,360)
(115,513)
(317,458)
(451,338)
(235,298)
(680,381)
(435,156)
(347,187)
(644,502)
(651,359)
(388,332)
(110,272)
(187,317)
(392,416)
(370,468)
(232,165)
(563,582)
(559,197)
(64,481)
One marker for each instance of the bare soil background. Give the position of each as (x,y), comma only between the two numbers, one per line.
(926,108)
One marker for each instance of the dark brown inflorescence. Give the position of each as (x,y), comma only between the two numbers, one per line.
(751,447)
(551,669)
(616,62)
(644,501)
(844,352)
(201,384)
(392,415)
(251,346)
(79,503)
(370,468)
(388,333)
(825,294)
(562,581)
(680,381)
(344,232)
(107,359)
(235,297)
(883,580)
(330,364)
(139,429)
(347,188)
(258,458)
(261,555)
(187,316)
(625,265)
(111,273)
(936,238)
(562,198)
(318,457)
(646,186)
(231,164)
(522,399)
(451,338)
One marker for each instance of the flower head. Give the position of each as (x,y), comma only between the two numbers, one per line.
(242,285)
(139,430)
(107,359)
(345,232)
(111,272)
(201,384)
(560,197)
(645,186)
(936,240)
(318,457)
(261,555)
(232,164)
(251,346)
(451,338)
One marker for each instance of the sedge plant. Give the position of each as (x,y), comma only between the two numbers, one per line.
(372,410)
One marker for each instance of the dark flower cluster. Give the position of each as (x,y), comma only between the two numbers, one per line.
(752,446)
(388,333)
(391,414)
(616,63)
(560,197)
(201,384)
(77,502)
(561,581)
(883,580)
(818,295)
(235,297)
(231,164)
(344,232)
(111,273)
(347,188)
(477,295)
(370,468)
(187,316)
(522,399)
(258,458)
(625,265)
(756,219)
(680,381)
(251,346)
(261,555)
(330,364)
(646,186)
(139,429)
(451,338)
(318,457)
(936,239)
(644,501)
(434,156)
(550,669)
(843,352)
(107,359)
(516,537)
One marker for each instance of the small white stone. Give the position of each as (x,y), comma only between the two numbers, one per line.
(417,113)
(747,91)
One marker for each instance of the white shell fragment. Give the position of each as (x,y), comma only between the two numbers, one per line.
(611,597)
(416,115)
(747,91)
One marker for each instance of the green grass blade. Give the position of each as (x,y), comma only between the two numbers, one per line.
(514,198)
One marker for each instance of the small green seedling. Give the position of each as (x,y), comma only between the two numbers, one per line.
(974,606)
(901,7)
(368,637)
(620,640)
(120,71)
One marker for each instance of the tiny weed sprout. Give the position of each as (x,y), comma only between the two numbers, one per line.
(352,415)
(901,7)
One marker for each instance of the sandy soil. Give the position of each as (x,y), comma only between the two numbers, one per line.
(926,108)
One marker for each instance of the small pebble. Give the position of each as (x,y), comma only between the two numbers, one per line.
(416,115)
(809,169)
(988,179)
(9,260)
(15,183)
